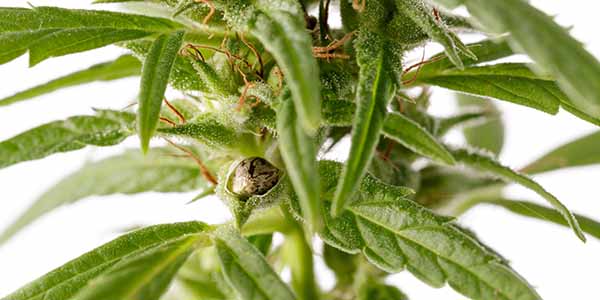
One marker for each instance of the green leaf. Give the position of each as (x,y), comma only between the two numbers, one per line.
(490,50)
(129,250)
(104,129)
(580,152)
(509,81)
(446,124)
(411,135)
(487,134)
(548,44)
(280,27)
(423,16)
(246,269)
(536,211)
(394,232)
(487,164)
(155,76)
(128,173)
(51,31)
(262,242)
(374,91)
(568,106)
(124,66)
(200,278)
(379,291)
(299,152)
(486,51)
(144,276)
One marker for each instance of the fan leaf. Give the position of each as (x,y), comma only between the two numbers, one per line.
(128,173)
(124,66)
(394,232)
(51,31)
(548,44)
(577,153)
(509,82)
(129,252)
(105,129)
(416,138)
(542,213)
(488,165)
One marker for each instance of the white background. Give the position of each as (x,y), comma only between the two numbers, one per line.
(550,257)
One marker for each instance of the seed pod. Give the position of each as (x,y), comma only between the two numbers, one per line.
(254,176)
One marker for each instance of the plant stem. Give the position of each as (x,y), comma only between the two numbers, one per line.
(297,253)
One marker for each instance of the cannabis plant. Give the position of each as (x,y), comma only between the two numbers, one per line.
(267,89)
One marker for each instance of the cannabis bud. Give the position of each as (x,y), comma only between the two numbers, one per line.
(254,176)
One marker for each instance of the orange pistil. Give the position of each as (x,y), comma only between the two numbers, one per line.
(203,169)
(418,65)
(360,7)
(167,121)
(211,12)
(247,86)
(258,57)
(175,111)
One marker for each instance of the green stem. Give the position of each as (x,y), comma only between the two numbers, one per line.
(297,253)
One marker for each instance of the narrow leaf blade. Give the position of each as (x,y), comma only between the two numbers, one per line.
(284,35)
(536,211)
(374,91)
(416,138)
(279,26)
(299,153)
(580,152)
(487,164)
(551,47)
(105,129)
(128,173)
(510,82)
(52,31)
(155,76)
(124,66)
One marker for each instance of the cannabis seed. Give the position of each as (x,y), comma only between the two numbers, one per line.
(254,176)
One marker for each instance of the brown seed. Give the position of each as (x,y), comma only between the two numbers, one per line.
(254,176)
